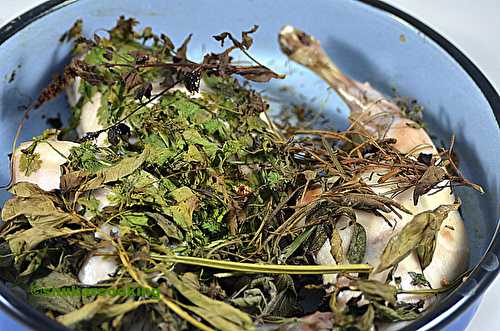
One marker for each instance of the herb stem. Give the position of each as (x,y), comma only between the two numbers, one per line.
(266,268)
(433,291)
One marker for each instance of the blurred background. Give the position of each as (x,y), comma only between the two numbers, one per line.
(472,26)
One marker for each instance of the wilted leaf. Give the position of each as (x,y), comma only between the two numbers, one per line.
(336,247)
(72,180)
(357,247)
(60,304)
(170,229)
(318,321)
(74,32)
(284,302)
(219,314)
(182,212)
(383,312)
(259,74)
(132,79)
(85,313)
(36,205)
(376,290)
(181,53)
(247,41)
(29,239)
(431,177)
(26,190)
(425,224)
(365,322)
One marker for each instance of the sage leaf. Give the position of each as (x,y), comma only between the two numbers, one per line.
(357,247)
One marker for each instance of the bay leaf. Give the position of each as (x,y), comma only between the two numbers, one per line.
(425,250)
(412,235)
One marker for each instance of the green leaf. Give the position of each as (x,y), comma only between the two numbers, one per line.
(135,221)
(30,163)
(357,247)
(297,242)
(117,171)
(182,194)
(418,279)
(191,136)
(85,157)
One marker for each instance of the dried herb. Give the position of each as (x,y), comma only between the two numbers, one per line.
(418,279)
(187,185)
(431,177)
(357,246)
(420,234)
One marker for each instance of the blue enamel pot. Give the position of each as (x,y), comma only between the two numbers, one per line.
(368,39)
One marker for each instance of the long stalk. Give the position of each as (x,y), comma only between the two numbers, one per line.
(266,268)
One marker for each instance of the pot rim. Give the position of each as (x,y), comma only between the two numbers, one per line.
(448,309)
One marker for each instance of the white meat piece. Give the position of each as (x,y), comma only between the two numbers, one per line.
(53,154)
(97,267)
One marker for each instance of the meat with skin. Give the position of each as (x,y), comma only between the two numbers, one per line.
(375,115)
(53,154)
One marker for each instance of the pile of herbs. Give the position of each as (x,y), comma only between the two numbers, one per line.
(208,198)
